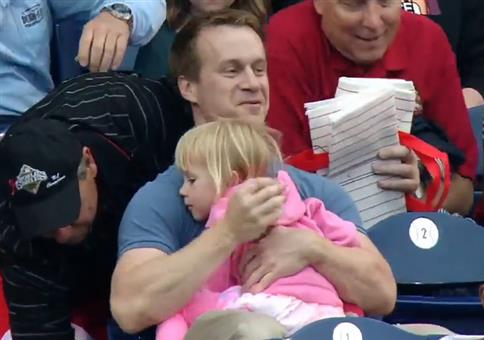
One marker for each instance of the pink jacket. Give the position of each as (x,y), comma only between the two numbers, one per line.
(307,285)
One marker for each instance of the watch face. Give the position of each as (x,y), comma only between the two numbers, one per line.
(121,8)
(120,11)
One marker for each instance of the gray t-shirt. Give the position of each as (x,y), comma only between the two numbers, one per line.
(157,218)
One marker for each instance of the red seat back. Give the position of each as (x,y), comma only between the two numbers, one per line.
(4,325)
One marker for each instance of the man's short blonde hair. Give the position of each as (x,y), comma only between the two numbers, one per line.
(184,57)
(228,145)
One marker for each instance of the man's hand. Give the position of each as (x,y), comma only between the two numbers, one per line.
(406,171)
(253,208)
(103,43)
(279,254)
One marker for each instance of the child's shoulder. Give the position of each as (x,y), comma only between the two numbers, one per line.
(333,196)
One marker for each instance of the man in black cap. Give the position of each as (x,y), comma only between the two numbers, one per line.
(68,169)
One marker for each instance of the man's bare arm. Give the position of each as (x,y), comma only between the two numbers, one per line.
(360,275)
(460,197)
(148,286)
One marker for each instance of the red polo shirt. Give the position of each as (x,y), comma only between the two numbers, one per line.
(304,67)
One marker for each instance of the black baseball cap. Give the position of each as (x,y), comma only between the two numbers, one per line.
(39,162)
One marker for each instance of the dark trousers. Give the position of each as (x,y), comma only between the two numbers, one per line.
(116,333)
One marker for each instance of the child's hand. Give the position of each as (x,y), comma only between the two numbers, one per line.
(253,208)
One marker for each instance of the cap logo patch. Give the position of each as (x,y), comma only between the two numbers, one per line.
(29,179)
(57,178)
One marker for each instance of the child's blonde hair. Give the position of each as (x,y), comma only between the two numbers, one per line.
(224,146)
(235,325)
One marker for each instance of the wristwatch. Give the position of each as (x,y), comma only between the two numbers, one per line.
(121,12)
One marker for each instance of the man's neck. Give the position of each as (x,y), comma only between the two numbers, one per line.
(198,118)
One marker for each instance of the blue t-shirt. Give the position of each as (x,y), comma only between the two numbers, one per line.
(157,218)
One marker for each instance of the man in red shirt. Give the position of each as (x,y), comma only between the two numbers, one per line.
(312,44)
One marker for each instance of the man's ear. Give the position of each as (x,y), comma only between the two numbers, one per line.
(235,178)
(318,6)
(90,161)
(188,89)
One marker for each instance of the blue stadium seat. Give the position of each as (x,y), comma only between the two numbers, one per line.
(437,260)
(65,44)
(352,328)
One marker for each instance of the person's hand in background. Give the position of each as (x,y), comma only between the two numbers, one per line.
(103,43)
(404,170)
